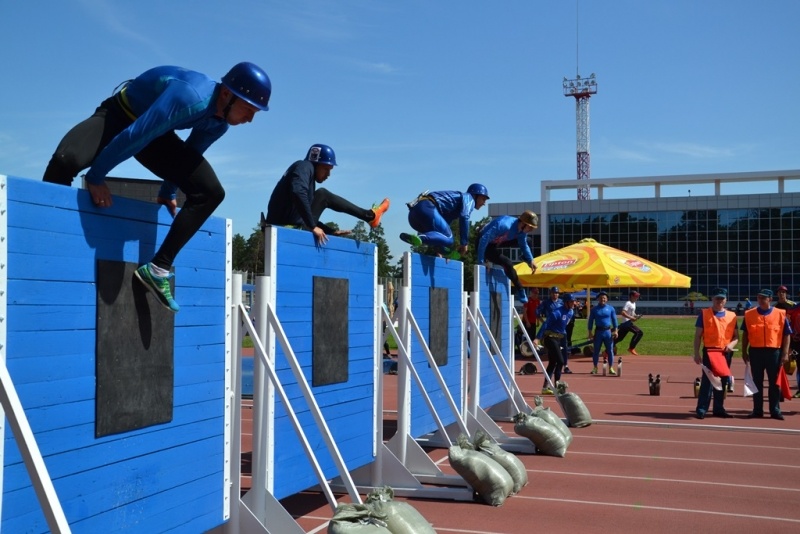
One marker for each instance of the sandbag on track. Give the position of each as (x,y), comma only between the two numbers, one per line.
(483,443)
(401,517)
(577,413)
(547,438)
(487,477)
(357,519)
(551,417)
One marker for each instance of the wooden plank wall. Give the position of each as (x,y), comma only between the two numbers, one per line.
(428,272)
(348,407)
(494,281)
(161,478)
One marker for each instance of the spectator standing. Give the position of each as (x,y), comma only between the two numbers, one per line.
(716,329)
(765,345)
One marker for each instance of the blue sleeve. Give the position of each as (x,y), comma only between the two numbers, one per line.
(178,102)
(522,241)
(486,238)
(699,322)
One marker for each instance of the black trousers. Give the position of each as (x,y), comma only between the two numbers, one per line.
(168,157)
(555,358)
(493,255)
(324,199)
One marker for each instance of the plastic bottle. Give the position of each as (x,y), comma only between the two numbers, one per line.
(619,366)
(605,366)
(696,387)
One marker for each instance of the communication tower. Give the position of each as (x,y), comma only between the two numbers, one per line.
(582,90)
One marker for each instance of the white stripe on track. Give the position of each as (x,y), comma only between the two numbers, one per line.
(661,508)
(654,479)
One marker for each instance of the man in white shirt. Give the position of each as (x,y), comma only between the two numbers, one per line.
(630,317)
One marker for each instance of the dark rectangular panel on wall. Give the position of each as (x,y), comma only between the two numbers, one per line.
(133,353)
(330,330)
(439,323)
(496,315)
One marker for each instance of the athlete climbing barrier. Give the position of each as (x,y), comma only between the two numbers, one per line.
(83,453)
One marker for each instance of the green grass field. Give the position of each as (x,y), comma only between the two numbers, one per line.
(663,336)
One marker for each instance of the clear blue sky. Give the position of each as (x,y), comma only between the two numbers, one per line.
(425,94)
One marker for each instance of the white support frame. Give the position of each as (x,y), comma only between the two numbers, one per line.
(12,408)
(401,463)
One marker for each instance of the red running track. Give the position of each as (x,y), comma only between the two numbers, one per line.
(645,465)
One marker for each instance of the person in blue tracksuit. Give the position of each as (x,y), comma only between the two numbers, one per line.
(431,213)
(603,318)
(502,232)
(553,332)
(139,121)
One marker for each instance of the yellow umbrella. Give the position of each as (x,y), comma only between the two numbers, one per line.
(589,264)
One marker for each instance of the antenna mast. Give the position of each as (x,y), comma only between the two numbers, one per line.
(581,89)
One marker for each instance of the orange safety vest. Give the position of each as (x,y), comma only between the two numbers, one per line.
(765,331)
(718,331)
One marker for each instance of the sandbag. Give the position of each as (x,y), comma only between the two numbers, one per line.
(507,460)
(357,519)
(401,517)
(550,416)
(487,477)
(577,413)
(547,438)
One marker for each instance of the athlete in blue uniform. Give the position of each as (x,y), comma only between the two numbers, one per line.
(297,202)
(503,232)
(603,318)
(433,211)
(554,331)
(140,121)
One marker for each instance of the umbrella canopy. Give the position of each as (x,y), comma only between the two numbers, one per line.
(591,264)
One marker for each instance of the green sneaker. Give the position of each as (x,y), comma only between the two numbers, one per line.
(547,391)
(593,371)
(158,286)
(411,239)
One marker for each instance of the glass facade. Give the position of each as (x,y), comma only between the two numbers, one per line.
(742,250)
(741,242)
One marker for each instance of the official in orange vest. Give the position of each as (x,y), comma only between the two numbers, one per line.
(765,345)
(716,328)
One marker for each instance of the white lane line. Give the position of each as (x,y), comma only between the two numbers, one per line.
(655,479)
(702,460)
(694,442)
(661,508)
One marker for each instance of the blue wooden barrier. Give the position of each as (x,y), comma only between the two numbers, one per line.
(493,285)
(167,477)
(348,407)
(429,272)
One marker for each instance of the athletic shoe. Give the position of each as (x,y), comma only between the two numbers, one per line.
(797,395)
(411,239)
(522,296)
(777,415)
(547,391)
(158,286)
(612,372)
(379,210)
(593,371)
(567,371)
(633,351)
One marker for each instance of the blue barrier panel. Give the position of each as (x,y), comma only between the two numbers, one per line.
(348,407)
(167,477)
(430,272)
(494,305)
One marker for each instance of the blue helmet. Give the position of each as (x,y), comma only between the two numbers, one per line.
(478,189)
(321,154)
(250,83)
